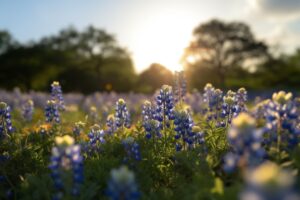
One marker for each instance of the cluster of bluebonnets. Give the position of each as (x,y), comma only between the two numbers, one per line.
(122,185)
(66,163)
(96,138)
(257,138)
(5,120)
(132,149)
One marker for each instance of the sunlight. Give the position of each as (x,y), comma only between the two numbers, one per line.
(162,40)
(191,59)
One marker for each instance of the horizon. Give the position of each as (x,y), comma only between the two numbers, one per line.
(137,24)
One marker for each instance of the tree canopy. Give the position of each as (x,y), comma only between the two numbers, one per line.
(226,54)
(154,77)
(92,57)
(220,46)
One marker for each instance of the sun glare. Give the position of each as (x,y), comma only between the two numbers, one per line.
(162,39)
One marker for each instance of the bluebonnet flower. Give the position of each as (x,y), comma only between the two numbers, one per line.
(27,110)
(66,163)
(132,149)
(148,111)
(231,162)
(269,181)
(122,116)
(183,127)
(96,136)
(5,120)
(241,98)
(150,124)
(52,112)
(245,141)
(199,138)
(56,95)
(111,125)
(213,98)
(78,128)
(282,121)
(122,185)
(164,106)
(179,86)
(259,111)
(229,107)
(196,101)
(208,93)
(233,104)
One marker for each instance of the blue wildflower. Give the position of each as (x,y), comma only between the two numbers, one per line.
(56,95)
(111,125)
(132,150)
(245,142)
(231,161)
(164,106)
(180,86)
(229,107)
(199,138)
(183,127)
(150,124)
(96,138)
(66,163)
(122,185)
(5,120)
(122,116)
(213,99)
(196,101)
(282,121)
(241,98)
(78,127)
(52,112)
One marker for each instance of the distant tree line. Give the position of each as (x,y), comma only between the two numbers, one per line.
(224,53)
(228,55)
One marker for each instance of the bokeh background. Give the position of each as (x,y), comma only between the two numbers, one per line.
(135,46)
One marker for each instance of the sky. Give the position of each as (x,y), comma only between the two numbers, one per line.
(153,30)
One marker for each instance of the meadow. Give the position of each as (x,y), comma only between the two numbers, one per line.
(173,144)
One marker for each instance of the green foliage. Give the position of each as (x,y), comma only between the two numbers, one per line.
(222,53)
(222,46)
(162,173)
(92,56)
(154,77)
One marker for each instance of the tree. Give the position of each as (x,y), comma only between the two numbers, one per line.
(6,41)
(32,66)
(221,46)
(282,72)
(92,56)
(154,77)
(99,54)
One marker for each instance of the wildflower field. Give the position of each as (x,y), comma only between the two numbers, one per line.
(174,144)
